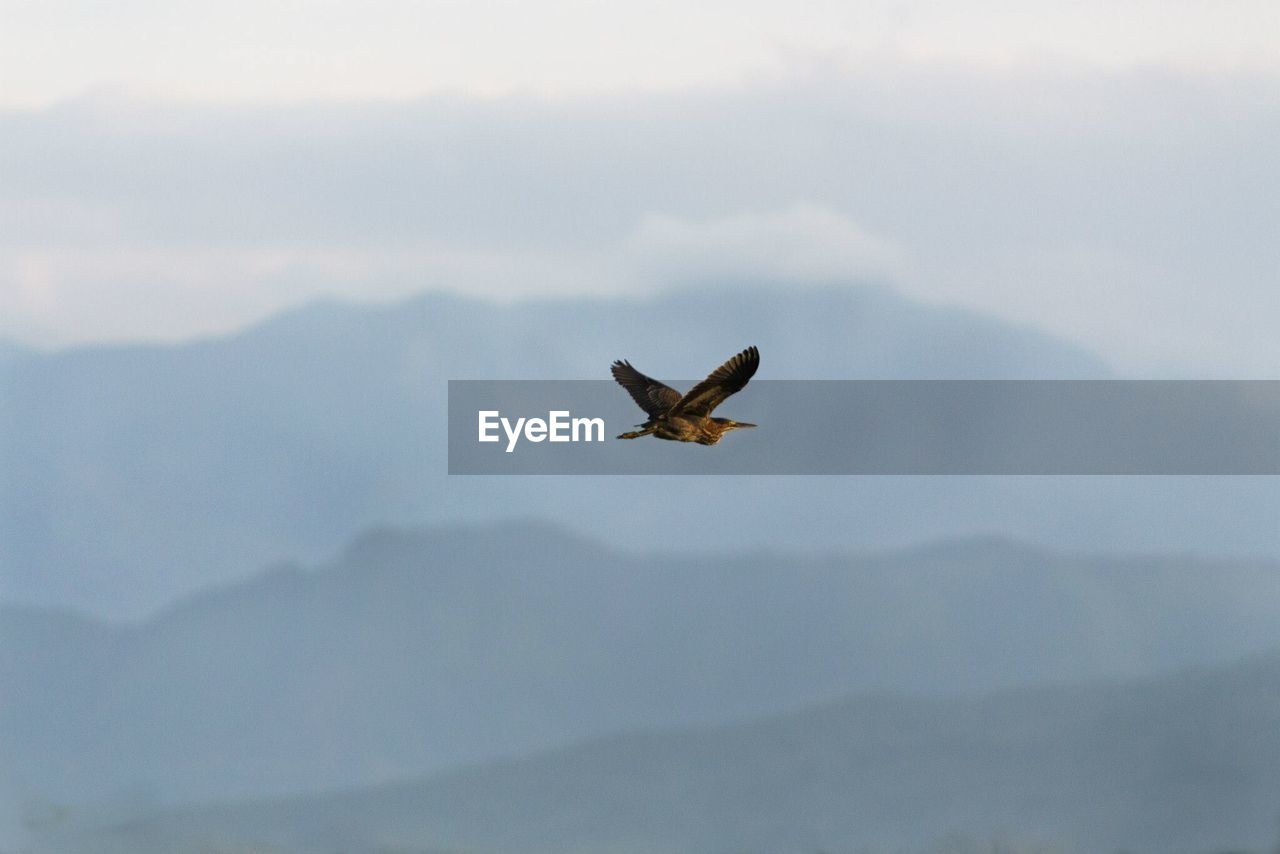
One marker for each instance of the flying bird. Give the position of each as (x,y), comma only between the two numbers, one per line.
(687,418)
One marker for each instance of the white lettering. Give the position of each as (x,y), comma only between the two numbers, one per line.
(587,424)
(486,425)
(513,434)
(559,426)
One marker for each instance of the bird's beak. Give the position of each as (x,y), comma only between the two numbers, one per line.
(743,424)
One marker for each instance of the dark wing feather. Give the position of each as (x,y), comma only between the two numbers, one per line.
(654,397)
(725,380)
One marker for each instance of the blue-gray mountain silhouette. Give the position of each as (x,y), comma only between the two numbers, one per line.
(1189,762)
(415,651)
(133,475)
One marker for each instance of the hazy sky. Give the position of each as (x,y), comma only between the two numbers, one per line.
(285,49)
(1104,170)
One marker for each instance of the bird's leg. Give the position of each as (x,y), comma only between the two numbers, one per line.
(636,434)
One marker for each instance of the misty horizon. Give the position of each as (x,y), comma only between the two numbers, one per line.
(205,218)
(255,255)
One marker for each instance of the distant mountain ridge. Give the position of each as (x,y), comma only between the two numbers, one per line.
(136,475)
(417,651)
(1188,763)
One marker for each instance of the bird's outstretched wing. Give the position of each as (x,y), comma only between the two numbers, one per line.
(725,380)
(654,397)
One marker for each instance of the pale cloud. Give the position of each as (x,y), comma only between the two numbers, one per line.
(166,294)
(802,243)
(1149,316)
(74,295)
(273,50)
(1131,213)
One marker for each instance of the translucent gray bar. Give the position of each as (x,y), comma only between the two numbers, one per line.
(888,427)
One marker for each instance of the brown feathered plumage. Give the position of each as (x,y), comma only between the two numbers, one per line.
(688,418)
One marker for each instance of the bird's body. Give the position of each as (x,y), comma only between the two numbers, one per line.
(680,428)
(687,418)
